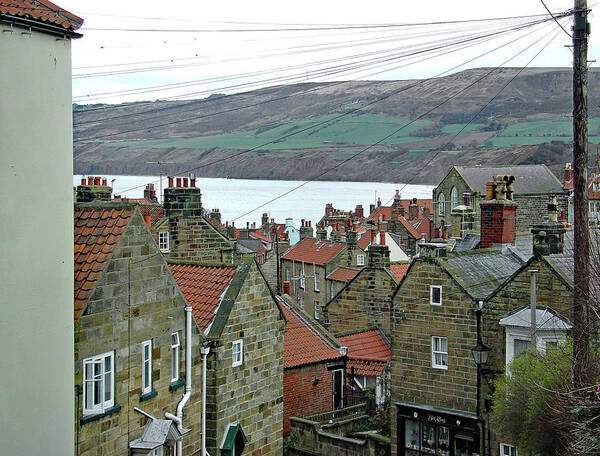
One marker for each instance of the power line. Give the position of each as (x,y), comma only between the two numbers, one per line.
(556,20)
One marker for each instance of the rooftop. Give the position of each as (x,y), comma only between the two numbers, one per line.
(311,250)
(368,352)
(41,11)
(342,274)
(399,270)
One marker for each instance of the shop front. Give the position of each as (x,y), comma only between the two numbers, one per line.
(424,430)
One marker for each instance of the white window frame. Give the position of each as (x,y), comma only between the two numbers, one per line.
(237,353)
(287,274)
(453,198)
(163,241)
(542,338)
(302,278)
(147,377)
(431,301)
(360,260)
(317,311)
(316,274)
(175,345)
(441,205)
(332,289)
(100,378)
(506,446)
(301,302)
(434,352)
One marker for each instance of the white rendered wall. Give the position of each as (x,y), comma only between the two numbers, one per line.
(36,238)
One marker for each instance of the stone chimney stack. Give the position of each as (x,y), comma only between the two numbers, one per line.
(264,221)
(499,214)
(378,256)
(215,215)
(183,199)
(150,194)
(95,189)
(306,230)
(321,233)
(413,209)
(549,237)
(336,235)
(397,199)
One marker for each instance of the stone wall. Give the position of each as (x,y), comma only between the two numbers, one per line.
(250,394)
(308,293)
(363,303)
(414,322)
(195,239)
(533,209)
(269,269)
(119,316)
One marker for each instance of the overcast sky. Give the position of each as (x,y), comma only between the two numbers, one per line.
(214,50)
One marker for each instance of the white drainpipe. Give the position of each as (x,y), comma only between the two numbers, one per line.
(188,378)
(205,351)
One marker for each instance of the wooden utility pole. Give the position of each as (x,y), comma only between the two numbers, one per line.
(581,255)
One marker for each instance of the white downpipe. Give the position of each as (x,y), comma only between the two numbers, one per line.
(205,351)
(188,378)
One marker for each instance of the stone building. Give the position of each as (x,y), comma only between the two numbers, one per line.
(184,233)
(457,198)
(243,326)
(364,302)
(306,265)
(314,365)
(130,331)
(437,406)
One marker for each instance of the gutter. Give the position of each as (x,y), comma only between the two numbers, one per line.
(40,26)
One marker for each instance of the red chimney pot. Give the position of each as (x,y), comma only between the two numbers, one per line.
(170,181)
(83,181)
(104,182)
(97,180)
(179,182)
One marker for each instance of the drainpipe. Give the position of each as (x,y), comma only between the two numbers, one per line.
(205,350)
(188,378)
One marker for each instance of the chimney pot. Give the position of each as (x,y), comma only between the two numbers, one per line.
(83,181)
(179,182)
(170,178)
(90,180)
(382,238)
(192,181)
(97,180)
(104,181)
(148,220)
(185,182)
(286,288)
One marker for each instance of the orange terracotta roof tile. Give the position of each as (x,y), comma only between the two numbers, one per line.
(366,367)
(203,288)
(41,11)
(366,346)
(342,274)
(387,210)
(411,229)
(364,240)
(259,234)
(303,343)
(155,211)
(96,234)
(399,270)
(314,251)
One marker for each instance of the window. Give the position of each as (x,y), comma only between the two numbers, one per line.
(316,278)
(453,198)
(237,353)
(332,289)
(439,352)
(146,366)
(301,302)
(435,295)
(360,260)
(441,205)
(316,310)
(287,274)
(508,450)
(163,241)
(98,383)
(302,279)
(175,344)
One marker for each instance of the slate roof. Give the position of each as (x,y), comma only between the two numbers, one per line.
(203,288)
(311,250)
(480,272)
(247,245)
(469,242)
(342,274)
(529,179)
(303,342)
(155,434)
(368,353)
(41,11)
(546,319)
(97,232)
(399,270)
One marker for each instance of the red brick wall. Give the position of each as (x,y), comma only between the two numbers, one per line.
(301,397)
(498,223)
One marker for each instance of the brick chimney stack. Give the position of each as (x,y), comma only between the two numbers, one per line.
(96,189)
(184,199)
(378,256)
(150,194)
(498,215)
(359,211)
(413,209)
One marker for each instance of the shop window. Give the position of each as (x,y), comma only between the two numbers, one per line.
(422,439)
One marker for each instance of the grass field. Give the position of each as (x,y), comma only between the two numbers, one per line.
(363,129)
(557,129)
(452,129)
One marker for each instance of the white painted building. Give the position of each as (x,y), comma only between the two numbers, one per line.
(36,228)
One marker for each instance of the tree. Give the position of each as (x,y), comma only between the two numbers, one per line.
(536,406)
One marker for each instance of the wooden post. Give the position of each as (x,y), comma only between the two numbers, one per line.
(581,255)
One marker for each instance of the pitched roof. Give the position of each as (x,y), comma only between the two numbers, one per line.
(303,341)
(364,240)
(366,345)
(311,250)
(342,274)
(41,11)
(155,211)
(480,272)
(399,270)
(260,234)
(546,319)
(97,232)
(411,229)
(528,178)
(203,288)
(405,203)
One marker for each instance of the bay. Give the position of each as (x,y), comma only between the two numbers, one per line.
(245,200)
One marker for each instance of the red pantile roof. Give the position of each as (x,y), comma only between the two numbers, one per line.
(399,270)
(366,367)
(97,233)
(203,288)
(387,210)
(366,345)
(310,250)
(364,240)
(411,229)
(259,234)
(41,11)
(342,274)
(303,343)
(156,212)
